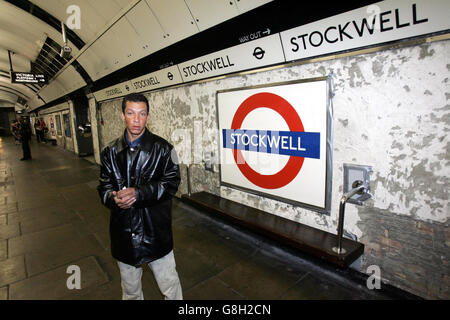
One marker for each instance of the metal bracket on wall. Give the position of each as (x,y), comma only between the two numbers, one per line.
(209,161)
(188,176)
(352,173)
(356,191)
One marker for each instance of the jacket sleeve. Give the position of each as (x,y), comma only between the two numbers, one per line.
(165,187)
(106,184)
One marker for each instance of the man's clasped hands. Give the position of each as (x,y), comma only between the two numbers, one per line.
(125,198)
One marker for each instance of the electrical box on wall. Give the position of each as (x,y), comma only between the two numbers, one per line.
(208,158)
(352,173)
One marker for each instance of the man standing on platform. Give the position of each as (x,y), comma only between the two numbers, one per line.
(139,176)
(25,136)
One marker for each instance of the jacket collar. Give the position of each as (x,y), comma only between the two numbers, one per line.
(145,143)
(135,142)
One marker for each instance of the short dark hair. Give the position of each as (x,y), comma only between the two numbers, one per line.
(134,97)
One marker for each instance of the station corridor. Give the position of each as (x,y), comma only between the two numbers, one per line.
(51,218)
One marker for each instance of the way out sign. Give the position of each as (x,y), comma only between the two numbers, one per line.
(274,141)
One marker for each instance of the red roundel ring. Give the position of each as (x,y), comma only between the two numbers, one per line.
(284,108)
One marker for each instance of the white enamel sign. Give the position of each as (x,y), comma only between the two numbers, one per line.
(273,141)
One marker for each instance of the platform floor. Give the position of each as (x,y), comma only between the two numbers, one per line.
(51,218)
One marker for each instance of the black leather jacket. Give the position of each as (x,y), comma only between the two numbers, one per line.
(142,233)
(24,131)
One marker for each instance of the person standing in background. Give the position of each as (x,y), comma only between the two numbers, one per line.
(43,131)
(15,131)
(37,129)
(25,136)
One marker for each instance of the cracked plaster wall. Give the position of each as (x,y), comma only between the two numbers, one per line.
(391,112)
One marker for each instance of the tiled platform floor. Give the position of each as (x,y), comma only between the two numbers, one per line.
(51,217)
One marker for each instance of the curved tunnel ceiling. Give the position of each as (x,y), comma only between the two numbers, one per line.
(112,34)
(119,39)
(23,35)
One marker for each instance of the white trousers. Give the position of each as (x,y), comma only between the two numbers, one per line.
(164,270)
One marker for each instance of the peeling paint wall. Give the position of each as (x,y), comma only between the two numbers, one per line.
(73,127)
(94,128)
(391,112)
(69,145)
(112,125)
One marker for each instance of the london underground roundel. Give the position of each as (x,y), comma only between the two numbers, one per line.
(280,105)
(288,122)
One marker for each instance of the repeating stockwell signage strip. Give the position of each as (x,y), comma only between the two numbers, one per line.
(162,78)
(115,91)
(255,54)
(159,79)
(378,23)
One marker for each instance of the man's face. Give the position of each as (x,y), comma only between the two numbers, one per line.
(135,118)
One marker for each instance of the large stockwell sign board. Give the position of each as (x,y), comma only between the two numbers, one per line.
(273,141)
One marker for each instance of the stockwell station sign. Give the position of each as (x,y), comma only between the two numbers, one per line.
(377,24)
(273,141)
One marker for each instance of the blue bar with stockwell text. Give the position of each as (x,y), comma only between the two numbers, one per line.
(289,143)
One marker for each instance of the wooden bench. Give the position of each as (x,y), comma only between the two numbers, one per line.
(309,240)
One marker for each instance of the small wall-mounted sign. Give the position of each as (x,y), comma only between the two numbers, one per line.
(27,77)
